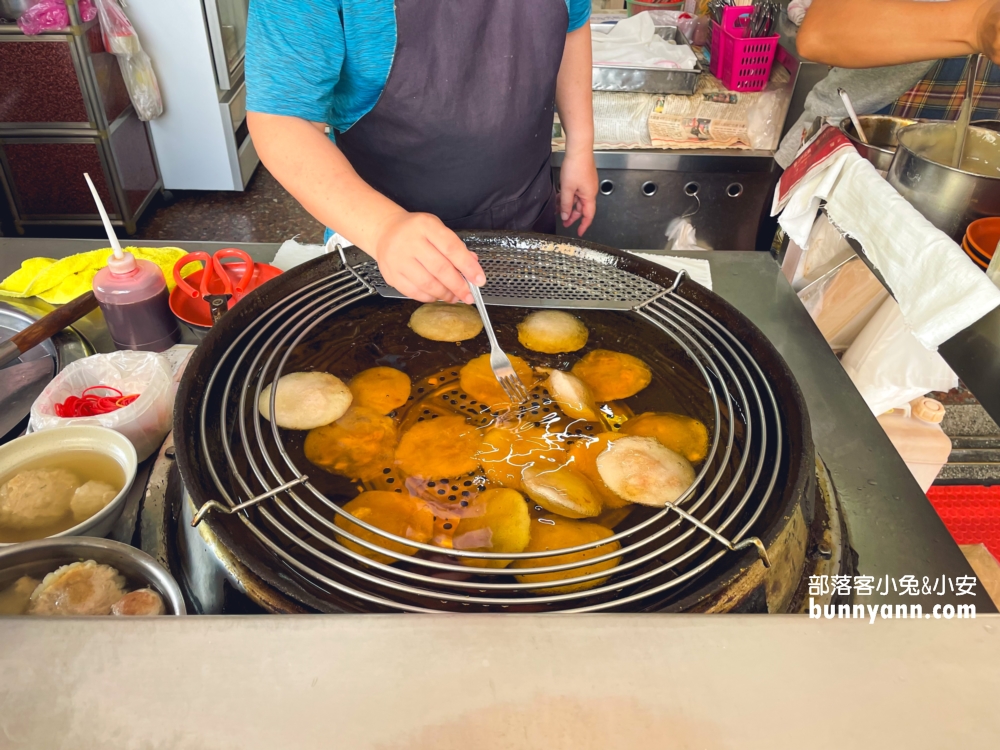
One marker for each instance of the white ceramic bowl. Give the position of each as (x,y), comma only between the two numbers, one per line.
(101,440)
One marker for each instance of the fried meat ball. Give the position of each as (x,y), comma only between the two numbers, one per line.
(80,588)
(90,498)
(641,470)
(14,599)
(612,375)
(393,512)
(550,533)
(681,434)
(442,321)
(552,332)
(380,388)
(36,498)
(139,603)
(572,395)
(583,457)
(442,447)
(561,490)
(495,521)
(359,445)
(477,379)
(504,453)
(306,400)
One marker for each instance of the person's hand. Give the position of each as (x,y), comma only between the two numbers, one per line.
(987,29)
(418,255)
(578,189)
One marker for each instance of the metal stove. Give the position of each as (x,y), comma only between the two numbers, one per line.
(744,538)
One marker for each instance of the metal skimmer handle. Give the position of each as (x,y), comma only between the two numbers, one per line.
(216,505)
(748,542)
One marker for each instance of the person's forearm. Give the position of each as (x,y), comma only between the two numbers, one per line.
(873,33)
(573,91)
(311,167)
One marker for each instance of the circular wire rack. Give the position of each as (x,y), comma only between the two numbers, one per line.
(259,482)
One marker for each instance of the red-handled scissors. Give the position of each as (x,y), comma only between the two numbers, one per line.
(219,285)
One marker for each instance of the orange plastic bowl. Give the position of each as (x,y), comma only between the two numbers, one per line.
(976,257)
(983,236)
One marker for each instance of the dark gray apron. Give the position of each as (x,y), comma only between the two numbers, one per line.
(463,128)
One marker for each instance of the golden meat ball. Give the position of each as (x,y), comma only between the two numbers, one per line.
(305,400)
(495,521)
(561,490)
(393,512)
(551,533)
(612,375)
(506,453)
(380,388)
(442,447)
(681,434)
(359,445)
(642,471)
(583,457)
(477,379)
(552,332)
(442,321)
(572,395)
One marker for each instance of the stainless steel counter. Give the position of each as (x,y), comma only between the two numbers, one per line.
(892,526)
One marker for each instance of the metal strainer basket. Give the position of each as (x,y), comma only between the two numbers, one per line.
(242,467)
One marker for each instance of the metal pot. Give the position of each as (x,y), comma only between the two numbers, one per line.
(881,133)
(949,197)
(11,10)
(37,559)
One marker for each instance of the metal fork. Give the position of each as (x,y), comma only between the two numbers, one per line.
(499,361)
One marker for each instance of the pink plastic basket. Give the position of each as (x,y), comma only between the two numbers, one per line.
(741,64)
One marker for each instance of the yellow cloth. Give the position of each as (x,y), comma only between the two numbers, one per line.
(59,281)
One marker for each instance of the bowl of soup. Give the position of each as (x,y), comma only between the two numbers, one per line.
(67,482)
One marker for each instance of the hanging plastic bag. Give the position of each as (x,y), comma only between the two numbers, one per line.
(890,367)
(146,421)
(121,41)
(49,15)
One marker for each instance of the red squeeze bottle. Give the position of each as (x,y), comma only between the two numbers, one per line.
(133,297)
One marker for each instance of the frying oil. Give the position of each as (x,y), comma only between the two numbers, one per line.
(85,466)
(375,333)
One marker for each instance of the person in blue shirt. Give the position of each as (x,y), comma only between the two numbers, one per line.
(440,116)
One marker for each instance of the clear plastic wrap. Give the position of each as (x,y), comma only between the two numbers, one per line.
(145,422)
(121,40)
(47,15)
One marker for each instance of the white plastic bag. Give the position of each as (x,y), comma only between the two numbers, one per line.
(890,367)
(121,40)
(634,41)
(146,421)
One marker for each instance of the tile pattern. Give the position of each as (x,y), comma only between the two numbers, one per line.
(264,212)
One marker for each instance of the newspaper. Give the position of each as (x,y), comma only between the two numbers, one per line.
(712,117)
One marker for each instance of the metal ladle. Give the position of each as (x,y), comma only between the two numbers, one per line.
(853,115)
(965,113)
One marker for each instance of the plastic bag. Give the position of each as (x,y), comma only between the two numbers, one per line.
(47,15)
(634,42)
(890,367)
(843,302)
(121,40)
(682,236)
(766,116)
(146,421)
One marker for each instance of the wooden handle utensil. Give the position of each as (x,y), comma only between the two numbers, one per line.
(45,327)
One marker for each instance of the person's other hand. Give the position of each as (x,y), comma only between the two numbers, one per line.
(578,189)
(987,29)
(418,255)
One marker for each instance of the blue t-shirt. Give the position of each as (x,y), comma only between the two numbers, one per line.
(328,60)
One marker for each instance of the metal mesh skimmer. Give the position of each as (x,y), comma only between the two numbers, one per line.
(659,557)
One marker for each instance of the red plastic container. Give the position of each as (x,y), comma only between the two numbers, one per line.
(971,513)
(741,64)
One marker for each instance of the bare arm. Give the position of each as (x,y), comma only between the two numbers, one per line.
(578,175)
(416,253)
(873,33)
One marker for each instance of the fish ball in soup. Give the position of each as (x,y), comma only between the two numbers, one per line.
(81,588)
(36,498)
(90,498)
(139,603)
